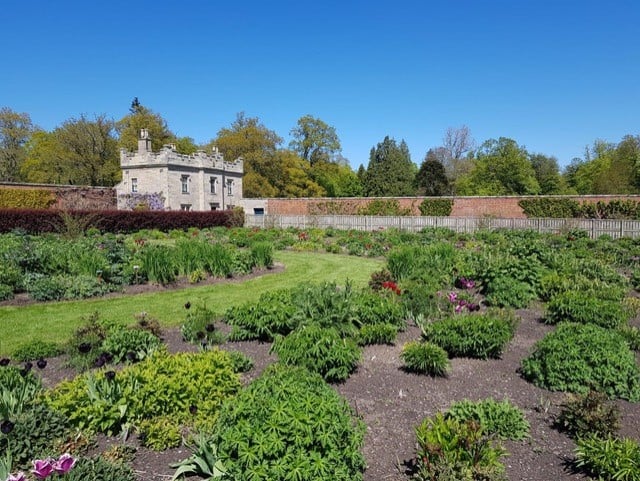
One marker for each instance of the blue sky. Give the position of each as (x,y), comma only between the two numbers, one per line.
(552,75)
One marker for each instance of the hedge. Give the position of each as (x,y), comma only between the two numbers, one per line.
(26,198)
(570,208)
(436,207)
(36,221)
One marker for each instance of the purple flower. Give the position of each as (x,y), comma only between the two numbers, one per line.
(42,363)
(453,296)
(6,427)
(458,308)
(42,468)
(64,463)
(4,361)
(19,476)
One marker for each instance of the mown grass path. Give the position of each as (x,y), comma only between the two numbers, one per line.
(56,321)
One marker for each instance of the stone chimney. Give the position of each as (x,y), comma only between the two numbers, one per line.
(144,142)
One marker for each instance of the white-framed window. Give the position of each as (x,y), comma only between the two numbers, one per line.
(185,207)
(184,182)
(134,185)
(229,187)
(213,183)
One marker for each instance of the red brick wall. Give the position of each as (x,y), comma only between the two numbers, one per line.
(504,207)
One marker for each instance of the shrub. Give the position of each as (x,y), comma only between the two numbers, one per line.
(579,307)
(436,207)
(262,253)
(500,418)
(378,278)
(505,292)
(289,421)
(452,450)
(609,458)
(84,348)
(377,334)
(160,433)
(198,326)
(550,207)
(6,292)
(580,357)
(425,358)
(219,260)
(589,413)
(472,335)
(631,334)
(36,349)
(321,350)
(131,345)
(47,288)
(240,361)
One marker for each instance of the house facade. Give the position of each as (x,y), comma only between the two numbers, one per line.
(197,182)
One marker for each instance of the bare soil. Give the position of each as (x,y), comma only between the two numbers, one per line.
(392,402)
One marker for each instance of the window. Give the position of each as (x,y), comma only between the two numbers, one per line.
(185,207)
(212,184)
(258,211)
(229,187)
(134,185)
(214,205)
(184,180)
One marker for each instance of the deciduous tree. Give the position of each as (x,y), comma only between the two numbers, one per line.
(141,117)
(314,140)
(15,130)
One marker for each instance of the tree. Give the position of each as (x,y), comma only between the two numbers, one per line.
(257,145)
(296,181)
(390,171)
(314,140)
(337,180)
(15,130)
(141,117)
(457,144)
(548,175)
(91,150)
(45,160)
(431,179)
(500,167)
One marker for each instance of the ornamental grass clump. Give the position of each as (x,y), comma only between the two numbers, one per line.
(425,358)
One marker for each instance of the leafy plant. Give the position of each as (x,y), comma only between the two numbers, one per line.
(240,362)
(631,334)
(160,433)
(262,253)
(500,418)
(609,458)
(37,349)
(289,423)
(99,469)
(579,357)
(574,306)
(129,345)
(203,462)
(589,413)
(452,450)
(472,335)
(425,358)
(377,334)
(436,207)
(321,350)
(199,326)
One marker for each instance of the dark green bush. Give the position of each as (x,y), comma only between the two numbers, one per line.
(6,292)
(436,207)
(321,350)
(500,418)
(505,292)
(240,361)
(574,306)
(425,358)
(130,345)
(631,334)
(589,413)
(579,357)
(550,207)
(289,421)
(472,335)
(454,451)
(84,348)
(609,458)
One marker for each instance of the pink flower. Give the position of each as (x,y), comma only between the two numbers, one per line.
(17,477)
(458,308)
(42,468)
(453,296)
(64,464)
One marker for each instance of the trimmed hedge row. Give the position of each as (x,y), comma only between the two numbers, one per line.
(36,221)
(570,208)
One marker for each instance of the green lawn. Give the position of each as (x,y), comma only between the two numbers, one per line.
(56,321)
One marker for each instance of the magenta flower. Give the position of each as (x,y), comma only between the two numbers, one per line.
(64,463)
(19,476)
(458,308)
(453,296)
(42,468)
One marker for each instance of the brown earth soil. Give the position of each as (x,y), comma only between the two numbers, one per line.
(392,402)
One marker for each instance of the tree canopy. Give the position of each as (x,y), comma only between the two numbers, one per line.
(15,131)
(390,172)
(431,179)
(314,140)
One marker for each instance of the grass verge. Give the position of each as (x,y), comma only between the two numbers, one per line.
(56,321)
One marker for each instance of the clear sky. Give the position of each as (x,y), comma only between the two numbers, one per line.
(554,75)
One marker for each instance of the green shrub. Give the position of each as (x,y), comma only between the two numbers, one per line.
(425,358)
(472,335)
(378,278)
(14,198)
(436,207)
(186,387)
(84,348)
(47,288)
(159,265)
(579,357)
(321,350)
(631,334)
(289,421)
(450,450)
(199,327)
(574,306)
(160,433)
(130,345)
(382,308)
(550,207)
(99,469)
(589,413)
(500,418)
(377,334)
(37,349)
(6,292)
(505,292)
(609,458)
(240,361)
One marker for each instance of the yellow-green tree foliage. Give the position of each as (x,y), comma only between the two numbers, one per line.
(26,198)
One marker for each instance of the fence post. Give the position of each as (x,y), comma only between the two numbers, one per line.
(593,229)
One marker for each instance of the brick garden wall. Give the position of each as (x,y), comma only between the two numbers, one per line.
(70,197)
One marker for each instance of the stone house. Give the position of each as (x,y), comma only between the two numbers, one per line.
(186,182)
